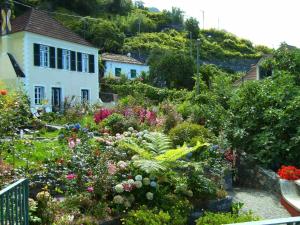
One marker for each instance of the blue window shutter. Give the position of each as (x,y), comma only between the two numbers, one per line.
(79,61)
(91,64)
(36,54)
(59,58)
(52,57)
(73,61)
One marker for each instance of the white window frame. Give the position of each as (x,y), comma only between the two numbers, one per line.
(66,59)
(39,95)
(88,95)
(85,63)
(44,56)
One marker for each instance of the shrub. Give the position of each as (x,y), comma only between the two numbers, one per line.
(189,133)
(225,218)
(15,112)
(116,123)
(147,216)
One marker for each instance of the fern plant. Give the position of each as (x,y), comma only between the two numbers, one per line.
(156,153)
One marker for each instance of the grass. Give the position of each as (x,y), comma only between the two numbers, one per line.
(34,153)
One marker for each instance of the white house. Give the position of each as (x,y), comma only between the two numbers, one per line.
(51,61)
(115,65)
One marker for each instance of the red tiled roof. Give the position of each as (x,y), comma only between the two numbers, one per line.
(120,58)
(40,22)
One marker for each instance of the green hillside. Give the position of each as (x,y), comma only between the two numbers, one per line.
(120,26)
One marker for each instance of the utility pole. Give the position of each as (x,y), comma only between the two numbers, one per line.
(198,68)
(191,43)
(203,18)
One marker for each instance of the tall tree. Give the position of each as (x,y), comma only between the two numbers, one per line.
(192,27)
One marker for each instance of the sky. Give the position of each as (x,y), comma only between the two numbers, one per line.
(266,22)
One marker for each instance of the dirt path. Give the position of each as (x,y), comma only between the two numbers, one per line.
(261,203)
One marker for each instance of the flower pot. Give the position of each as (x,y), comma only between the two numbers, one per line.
(228,181)
(220,205)
(113,221)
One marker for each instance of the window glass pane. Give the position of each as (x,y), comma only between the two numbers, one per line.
(44,56)
(66,59)
(85,96)
(39,95)
(85,62)
(118,72)
(133,73)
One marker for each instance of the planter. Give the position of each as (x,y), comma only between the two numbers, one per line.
(220,205)
(113,221)
(228,181)
(290,197)
(194,216)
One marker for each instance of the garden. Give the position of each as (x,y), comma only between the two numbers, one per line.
(160,156)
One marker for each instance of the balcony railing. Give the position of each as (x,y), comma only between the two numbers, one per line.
(14,204)
(281,221)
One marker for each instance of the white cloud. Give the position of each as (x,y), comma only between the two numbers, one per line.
(267,22)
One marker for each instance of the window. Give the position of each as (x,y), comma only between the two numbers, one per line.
(118,72)
(44,56)
(39,95)
(66,59)
(85,96)
(85,63)
(133,73)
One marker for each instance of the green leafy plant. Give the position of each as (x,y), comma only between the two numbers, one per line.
(226,218)
(147,216)
(187,132)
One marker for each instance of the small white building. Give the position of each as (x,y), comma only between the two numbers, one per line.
(51,61)
(116,65)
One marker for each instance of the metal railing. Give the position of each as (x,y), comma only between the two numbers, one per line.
(281,221)
(14,209)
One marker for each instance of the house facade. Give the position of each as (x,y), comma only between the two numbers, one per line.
(55,62)
(256,72)
(116,65)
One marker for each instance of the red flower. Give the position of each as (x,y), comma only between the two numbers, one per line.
(3,92)
(289,173)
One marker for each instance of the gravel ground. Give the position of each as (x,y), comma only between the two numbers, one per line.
(261,203)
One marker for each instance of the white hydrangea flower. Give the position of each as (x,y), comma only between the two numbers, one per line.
(118,199)
(138,184)
(138,178)
(149,196)
(119,188)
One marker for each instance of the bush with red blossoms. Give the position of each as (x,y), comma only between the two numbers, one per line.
(289,173)
(102,114)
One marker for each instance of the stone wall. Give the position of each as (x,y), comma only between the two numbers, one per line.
(253,176)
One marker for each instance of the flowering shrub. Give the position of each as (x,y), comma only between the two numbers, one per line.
(289,173)
(102,114)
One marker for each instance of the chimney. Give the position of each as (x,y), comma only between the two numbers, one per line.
(6,16)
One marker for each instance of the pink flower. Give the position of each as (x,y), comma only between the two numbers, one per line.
(71,176)
(128,187)
(102,114)
(78,141)
(151,117)
(112,168)
(90,189)
(72,144)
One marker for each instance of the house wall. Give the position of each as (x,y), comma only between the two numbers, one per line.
(125,69)
(14,44)
(71,82)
